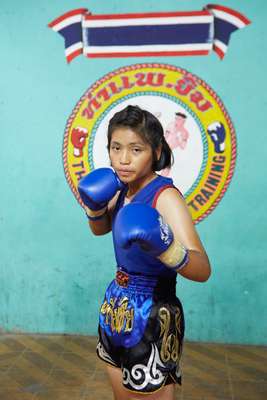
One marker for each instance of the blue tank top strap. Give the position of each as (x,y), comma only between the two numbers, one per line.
(147,193)
(160,190)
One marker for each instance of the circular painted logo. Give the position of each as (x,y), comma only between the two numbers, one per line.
(196,126)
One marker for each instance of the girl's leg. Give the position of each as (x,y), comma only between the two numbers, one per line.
(115,377)
(120,393)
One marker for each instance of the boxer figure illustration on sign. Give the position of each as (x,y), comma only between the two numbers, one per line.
(176,135)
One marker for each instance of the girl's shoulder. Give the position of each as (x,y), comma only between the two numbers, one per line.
(173,208)
(167,189)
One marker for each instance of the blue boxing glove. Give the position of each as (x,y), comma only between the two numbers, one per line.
(96,189)
(140,223)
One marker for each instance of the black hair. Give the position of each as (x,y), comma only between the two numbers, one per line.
(181,115)
(148,127)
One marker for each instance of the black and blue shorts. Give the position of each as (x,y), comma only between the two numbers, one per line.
(141,331)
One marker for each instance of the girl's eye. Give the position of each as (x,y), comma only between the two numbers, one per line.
(136,150)
(115,148)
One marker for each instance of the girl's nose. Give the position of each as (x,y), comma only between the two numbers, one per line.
(125,159)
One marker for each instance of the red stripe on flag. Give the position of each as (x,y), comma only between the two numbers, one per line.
(148,15)
(67,15)
(230,11)
(74,54)
(217,50)
(150,53)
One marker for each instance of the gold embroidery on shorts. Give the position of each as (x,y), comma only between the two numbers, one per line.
(119,318)
(170,348)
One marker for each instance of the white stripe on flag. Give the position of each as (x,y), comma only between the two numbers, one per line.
(147,48)
(220,45)
(77,46)
(87,23)
(228,18)
(66,22)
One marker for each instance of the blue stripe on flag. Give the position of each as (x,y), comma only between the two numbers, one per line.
(145,35)
(223,30)
(72,34)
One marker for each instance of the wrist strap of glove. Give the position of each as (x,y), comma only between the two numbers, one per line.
(176,256)
(184,262)
(94,215)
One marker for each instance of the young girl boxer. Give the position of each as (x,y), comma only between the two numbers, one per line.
(141,323)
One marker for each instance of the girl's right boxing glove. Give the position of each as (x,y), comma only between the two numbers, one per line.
(96,189)
(138,222)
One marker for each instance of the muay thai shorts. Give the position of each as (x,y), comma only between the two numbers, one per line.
(141,331)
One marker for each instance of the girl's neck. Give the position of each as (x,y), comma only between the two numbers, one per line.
(134,187)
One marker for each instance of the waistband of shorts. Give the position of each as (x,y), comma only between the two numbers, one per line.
(146,284)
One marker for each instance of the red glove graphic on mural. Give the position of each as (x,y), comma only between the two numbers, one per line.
(78,138)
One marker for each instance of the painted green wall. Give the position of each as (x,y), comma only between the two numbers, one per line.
(53,271)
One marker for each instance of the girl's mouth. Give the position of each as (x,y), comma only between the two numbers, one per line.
(124,173)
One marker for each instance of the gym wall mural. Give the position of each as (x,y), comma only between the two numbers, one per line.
(196,124)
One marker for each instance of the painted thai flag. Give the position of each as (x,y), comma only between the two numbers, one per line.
(226,21)
(151,34)
(69,25)
(148,34)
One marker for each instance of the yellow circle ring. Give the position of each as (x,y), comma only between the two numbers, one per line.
(168,81)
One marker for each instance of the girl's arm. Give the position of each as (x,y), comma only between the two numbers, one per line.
(174,211)
(103,225)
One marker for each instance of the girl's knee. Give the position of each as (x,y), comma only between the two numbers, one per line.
(165,393)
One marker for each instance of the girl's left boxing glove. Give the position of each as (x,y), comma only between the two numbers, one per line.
(96,189)
(140,223)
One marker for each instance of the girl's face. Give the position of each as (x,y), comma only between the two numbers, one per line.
(130,156)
